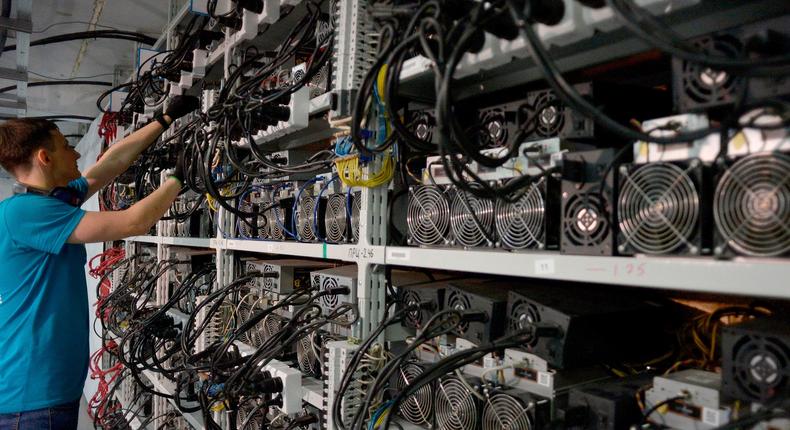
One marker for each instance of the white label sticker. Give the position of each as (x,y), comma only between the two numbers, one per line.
(710,416)
(544,266)
(544,379)
(398,255)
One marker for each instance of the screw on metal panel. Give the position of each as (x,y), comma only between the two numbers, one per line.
(624,169)
(621,248)
(694,250)
(718,250)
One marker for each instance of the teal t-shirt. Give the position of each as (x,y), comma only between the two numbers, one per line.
(44,348)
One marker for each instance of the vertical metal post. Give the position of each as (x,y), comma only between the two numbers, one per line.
(24,9)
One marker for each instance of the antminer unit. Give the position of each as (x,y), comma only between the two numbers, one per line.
(511,408)
(428,215)
(456,406)
(663,205)
(286,275)
(594,326)
(257,202)
(700,408)
(418,408)
(341,215)
(587,208)
(310,213)
(610,405)
(279,214)
(697,87)
(342,276)
(756,360)
(751,205)
(488,298)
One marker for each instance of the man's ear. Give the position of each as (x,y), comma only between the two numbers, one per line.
(42,156)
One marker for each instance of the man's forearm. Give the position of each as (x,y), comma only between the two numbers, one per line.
(149,210)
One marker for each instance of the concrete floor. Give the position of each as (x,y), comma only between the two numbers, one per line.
(85,422)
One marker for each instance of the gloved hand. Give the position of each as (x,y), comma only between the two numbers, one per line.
(181,105)
(178,171)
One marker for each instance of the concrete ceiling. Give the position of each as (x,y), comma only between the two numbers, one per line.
(98,61)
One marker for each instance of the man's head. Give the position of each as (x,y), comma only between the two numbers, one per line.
(36,147)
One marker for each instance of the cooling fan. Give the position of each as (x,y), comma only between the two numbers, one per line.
(423,125)
(528,222)
(700,87)
(549,115)
(428,216)
(659,208)
(417,408)
(471,220)
(306,215)
(307,354)
(245,230)
(751,206)
(521,315)
(756,360)
(329,301)
(264,226)
(277,218)
(272,325)
(461,302)
(514,409)
(494,131)
(457,408)
(251,415)
(413,318)
(586,226)
(337,219)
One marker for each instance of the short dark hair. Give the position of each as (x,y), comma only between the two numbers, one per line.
(20,137)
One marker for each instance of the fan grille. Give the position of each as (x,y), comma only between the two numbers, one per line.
(549,115)
(584,223)
(658,208)
(428,215)
(761,367)
(503,411)
(460,302)
(522,315)
(305,356)
(304,218)
(244,229)
(336,218)
(456,407)
(471,220)
(264,226)
(413,318)
(752,205)
(356,209)
(422,125)
(268,282)
(521,224)
(247,422)
(276,230)
(330,301)
(272,324)
(417,408)
(494,131)
(705,86)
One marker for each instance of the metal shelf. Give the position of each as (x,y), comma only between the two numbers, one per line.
(194,419)
(352,253)
(744,276)
(145,239)
(195,242)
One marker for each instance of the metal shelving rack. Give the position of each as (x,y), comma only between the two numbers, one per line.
(739,276)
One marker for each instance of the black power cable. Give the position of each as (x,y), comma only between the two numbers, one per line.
(98,34)
(51,83)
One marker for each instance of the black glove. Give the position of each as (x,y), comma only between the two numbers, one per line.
(181,105)
(178,171)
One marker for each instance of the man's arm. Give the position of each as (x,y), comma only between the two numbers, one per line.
(121,155)
(134,221)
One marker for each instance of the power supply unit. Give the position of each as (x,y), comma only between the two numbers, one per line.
(286,275)
(698,87)
(531,373)
(594,326)
(511,408)
(609,405)
(751,208)
(432,292)
(700,407)
(756,360)
(663,207)
(486,297)
(587,209)
(342,276)
(422,124)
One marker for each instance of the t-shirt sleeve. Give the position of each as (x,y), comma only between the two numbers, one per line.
(81,185)
(40,222)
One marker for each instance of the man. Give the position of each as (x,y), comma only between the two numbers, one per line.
(43,293)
